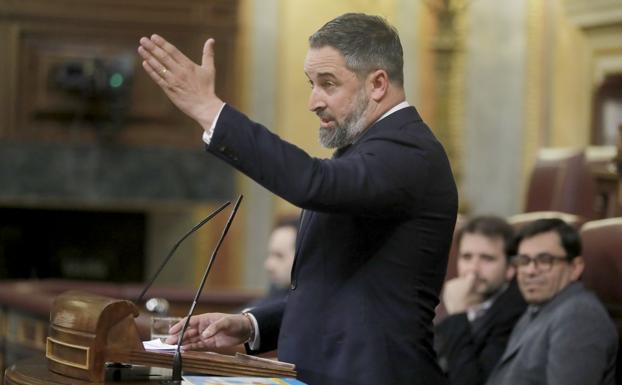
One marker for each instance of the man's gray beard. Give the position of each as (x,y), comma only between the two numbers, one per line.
(345,134)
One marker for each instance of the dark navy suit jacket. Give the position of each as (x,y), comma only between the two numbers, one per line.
(371,252)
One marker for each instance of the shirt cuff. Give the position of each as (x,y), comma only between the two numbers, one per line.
(207,135)
(255,342)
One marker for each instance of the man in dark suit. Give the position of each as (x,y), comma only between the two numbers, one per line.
(565,336)
(378,217)
(483,302)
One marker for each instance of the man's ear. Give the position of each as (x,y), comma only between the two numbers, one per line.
(510,272)
(578,265)
(378,82)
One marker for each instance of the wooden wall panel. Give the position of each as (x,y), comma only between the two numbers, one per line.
(43,35)
(7,78)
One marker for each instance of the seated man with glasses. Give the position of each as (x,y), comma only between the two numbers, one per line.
(565,336)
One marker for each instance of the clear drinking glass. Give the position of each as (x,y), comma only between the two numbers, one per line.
(161,325)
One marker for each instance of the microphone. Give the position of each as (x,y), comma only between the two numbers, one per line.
(177,361)
(170,254)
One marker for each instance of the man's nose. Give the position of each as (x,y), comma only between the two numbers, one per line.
(316,103)
(471,267)
(475,264)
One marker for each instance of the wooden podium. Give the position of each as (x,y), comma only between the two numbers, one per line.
(87,331)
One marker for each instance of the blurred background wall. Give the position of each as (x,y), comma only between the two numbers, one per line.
(100,175)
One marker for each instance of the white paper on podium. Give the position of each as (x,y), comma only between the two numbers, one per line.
(157,344)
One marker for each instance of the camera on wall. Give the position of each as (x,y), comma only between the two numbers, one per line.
(96,77)
(102,87)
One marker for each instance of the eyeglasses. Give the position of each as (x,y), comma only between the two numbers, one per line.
(542,261)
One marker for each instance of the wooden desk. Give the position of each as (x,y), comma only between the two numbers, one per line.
(34,371)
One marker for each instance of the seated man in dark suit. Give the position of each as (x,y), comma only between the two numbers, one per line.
(565,336)
(483,303)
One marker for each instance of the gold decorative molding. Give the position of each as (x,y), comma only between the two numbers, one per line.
(8,74)
(26,331)
(456,103)
(449,65)
(593,13)
(533,134)
(599,23)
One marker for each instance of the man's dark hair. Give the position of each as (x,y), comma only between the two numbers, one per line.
(491,227)
(367,43)
(568,235)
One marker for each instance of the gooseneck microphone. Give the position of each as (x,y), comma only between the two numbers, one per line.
(170,254)
(177,362)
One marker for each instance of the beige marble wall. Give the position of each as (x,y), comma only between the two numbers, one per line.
(494,103)
(258,82)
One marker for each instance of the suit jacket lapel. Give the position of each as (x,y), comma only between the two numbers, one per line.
(305,216)
(305,219)
(517,338)
(504,308)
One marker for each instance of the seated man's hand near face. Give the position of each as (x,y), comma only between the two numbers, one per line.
(459,294)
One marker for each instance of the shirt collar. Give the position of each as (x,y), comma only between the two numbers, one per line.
(478,310)
(395,108)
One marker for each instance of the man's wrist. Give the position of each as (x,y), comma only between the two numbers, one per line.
(251,328)
(209,114)
(209,131)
